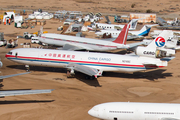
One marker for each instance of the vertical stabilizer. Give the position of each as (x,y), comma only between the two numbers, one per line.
(144,30)
(121,39)
(133,24)
(161,40)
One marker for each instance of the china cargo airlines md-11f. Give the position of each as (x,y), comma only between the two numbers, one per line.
(136,111)
(80,43)
(93,64)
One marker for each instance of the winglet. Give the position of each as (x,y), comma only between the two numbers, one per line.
(121,39)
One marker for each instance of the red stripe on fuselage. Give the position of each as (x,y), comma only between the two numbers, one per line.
(76,61)
(12,56)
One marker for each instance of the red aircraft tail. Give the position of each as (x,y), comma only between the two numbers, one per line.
(122,38)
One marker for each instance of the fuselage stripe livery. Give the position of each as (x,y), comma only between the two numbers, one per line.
(21,58)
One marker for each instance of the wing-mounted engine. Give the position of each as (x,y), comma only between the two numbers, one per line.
(154,53)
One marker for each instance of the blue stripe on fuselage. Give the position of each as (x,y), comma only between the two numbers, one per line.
(22,59)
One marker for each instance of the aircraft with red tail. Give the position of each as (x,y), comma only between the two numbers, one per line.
(94,64)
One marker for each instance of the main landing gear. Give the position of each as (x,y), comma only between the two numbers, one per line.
(90,77)
(27,68)
(70,73)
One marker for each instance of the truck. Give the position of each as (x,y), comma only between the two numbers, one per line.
(35,40)
(144,17)
(3,43)
(27,35)
(12,43)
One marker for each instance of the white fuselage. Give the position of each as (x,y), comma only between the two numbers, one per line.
(83,43)
(111,26)
(136,111)
(100,61)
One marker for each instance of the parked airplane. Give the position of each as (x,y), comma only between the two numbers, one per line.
(79,43)
(114,33)
(20,92)
(133,24)
(135,111)
(93,64)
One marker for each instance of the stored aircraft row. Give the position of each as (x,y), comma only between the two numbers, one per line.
(80,43)
(94,64)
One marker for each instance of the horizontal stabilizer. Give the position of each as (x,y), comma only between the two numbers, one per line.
(23,92)
(167,59)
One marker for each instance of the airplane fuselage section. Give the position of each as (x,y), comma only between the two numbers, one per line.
(61,58)
(81,43)
(136,111)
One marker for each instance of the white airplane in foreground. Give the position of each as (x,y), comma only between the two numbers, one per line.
(20,92)
(136,111)
(93,64)
(133,24)
(80,43)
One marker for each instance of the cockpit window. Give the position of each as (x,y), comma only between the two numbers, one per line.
(10,53)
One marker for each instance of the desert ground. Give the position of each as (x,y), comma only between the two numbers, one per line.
(73,97)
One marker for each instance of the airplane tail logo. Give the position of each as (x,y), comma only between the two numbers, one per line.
(133,23)
(160,41)
(121,39)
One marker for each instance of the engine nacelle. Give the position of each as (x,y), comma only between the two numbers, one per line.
(154,53)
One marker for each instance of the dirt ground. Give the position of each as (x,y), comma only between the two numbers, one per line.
(73,97)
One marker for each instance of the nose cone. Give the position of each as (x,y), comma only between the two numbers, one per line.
(6,55)
(94,112)
(91,112)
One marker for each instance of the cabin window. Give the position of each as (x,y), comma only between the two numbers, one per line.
(10,53)
(115,118)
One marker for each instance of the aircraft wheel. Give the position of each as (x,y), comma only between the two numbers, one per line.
(90,77)
(68,74)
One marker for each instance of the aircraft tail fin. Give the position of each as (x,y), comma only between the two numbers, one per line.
(133,23)
(161,39)
(144,30)
(122,38)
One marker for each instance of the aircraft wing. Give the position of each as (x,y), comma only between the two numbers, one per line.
(134,45)
(132,37)
(23,92)
(73,47)
(7,76)
(83,69)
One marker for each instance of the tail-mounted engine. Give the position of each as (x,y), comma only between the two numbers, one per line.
(155,53)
